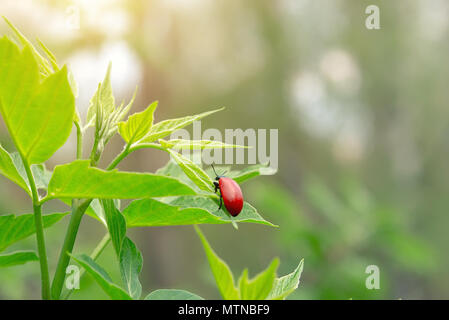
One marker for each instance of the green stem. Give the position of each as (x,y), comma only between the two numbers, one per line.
(94,256)
(93,154)
(45,277)
(129,149)
(37,208)
(100,247)
(72,230)
(147,145)
(75,220)
(79,141)
(122,155)
(78,210)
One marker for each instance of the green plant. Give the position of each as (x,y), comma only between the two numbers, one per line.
(37,104)
(266,285)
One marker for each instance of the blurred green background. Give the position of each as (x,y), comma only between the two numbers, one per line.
(363,134)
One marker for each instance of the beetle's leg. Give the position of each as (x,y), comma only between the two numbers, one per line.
(217,188)
(216,185)
(221,200)
(221,203)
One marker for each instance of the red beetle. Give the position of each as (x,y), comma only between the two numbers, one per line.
(230,194)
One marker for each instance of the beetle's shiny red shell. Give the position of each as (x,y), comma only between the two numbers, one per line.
(232,195)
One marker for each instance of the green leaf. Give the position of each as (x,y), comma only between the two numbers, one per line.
(172,294)
(138,124)
(37,114)
(50,55)
(202,203)
(172,169)
(116,224)
(9,170)
(167,127)
(103,101)
(16,258)
(193,171)
(79,180)
(95,210)
(102,278)
(48,64)
(259,287)
(130,266)
(75,90)
(222,273)
(103,113)
(152,213)
(40,173)
(45,66)
(54,64)
(120,113)
(287,284)
(184,211)
(106,96)
(251,172)
(248,213)
(205,203)
(14,228)
(181,144)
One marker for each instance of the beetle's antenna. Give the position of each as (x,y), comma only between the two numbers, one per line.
(224,172)
(214,169)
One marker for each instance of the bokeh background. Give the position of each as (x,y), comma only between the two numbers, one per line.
(363,121)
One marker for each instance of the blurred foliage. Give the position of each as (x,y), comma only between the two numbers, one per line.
(362,118)
(341,233)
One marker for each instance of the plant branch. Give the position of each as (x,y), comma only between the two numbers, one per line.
(37,208)
(122,155)
(78,210)
(129,149)
(147,145)
(94,153)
